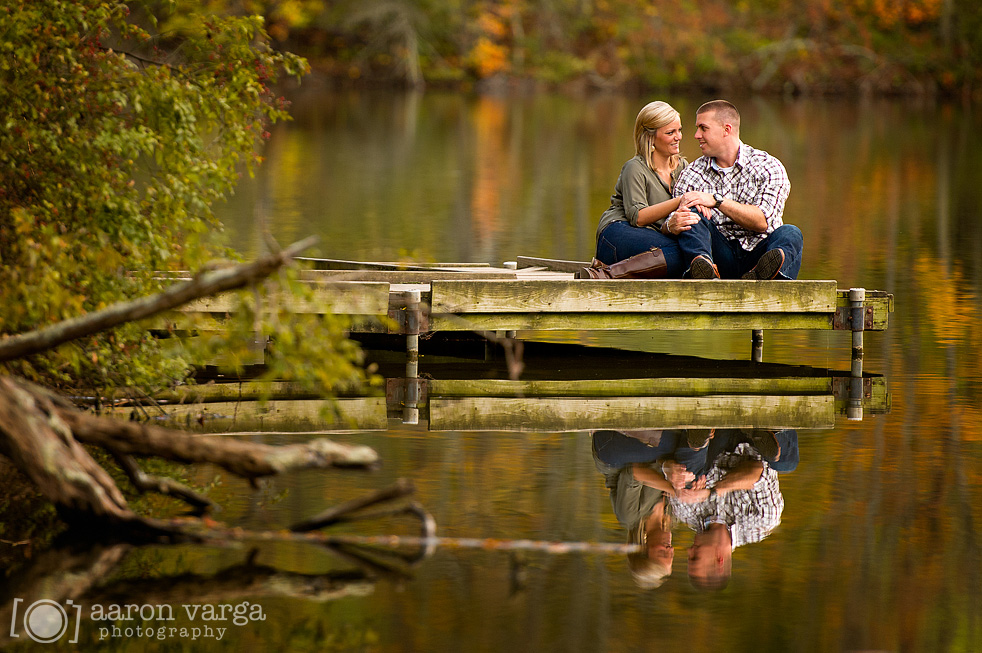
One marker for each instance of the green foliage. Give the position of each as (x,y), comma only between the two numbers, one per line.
(115,145)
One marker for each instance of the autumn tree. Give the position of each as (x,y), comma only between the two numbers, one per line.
(116,144)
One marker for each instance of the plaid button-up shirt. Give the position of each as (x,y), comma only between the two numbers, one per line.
(751,514)
(756,178)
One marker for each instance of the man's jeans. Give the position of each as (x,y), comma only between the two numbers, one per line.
(733,261)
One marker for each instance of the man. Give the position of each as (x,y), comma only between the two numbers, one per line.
(738,502)
(729,223)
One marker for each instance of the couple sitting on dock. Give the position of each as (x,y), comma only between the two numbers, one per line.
(717,217)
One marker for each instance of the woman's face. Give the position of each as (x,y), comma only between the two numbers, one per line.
(667,138)
(660,547)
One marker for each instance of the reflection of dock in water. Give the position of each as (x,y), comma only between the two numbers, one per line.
(562,388)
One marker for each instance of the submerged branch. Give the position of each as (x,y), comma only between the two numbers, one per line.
(343,512)
(144,482)
(246,459)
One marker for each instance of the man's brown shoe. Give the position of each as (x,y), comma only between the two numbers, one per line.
(767,267)
(702,268)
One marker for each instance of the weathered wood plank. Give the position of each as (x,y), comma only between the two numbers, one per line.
(342,264)
(295,416)
(406,276)
(632,295)
(575,414)
(656,387)
(880,301)
(556,265)
(628,321)
(351,298)
(244,391)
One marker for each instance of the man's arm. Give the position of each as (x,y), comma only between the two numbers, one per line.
(749,216)
(741,477)
(763,209)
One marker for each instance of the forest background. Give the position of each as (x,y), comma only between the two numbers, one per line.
(785,46)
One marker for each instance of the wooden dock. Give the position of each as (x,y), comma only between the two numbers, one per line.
(541,295)
(442,301)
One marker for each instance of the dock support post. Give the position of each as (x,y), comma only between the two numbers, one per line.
(757,346)
(410,411)
(857,300)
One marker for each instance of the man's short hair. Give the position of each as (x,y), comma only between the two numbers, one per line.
(725,112)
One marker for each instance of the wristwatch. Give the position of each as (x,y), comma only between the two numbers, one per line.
(719,199)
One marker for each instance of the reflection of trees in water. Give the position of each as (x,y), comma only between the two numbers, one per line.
(78,574)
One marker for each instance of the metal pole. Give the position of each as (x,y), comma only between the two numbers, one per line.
(857,300)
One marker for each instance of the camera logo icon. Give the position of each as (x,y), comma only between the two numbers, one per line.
(45,621)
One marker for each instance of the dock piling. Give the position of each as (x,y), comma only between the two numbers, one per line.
(410,413)
(857,319)
(757,346)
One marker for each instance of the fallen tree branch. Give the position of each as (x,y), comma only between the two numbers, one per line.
(40,444)
(42,435)
(203,284)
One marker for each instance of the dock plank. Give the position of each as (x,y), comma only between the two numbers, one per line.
(627,321)
(654,387)
(556,265)
(632,296)
(344,264)
(293,416)
(408,276)
(577,413)
(351,298)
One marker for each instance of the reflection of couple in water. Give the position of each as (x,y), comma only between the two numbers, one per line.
(722,483)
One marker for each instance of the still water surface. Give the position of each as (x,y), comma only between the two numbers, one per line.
(878,546)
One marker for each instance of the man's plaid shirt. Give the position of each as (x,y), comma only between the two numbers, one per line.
(756,178)
(750,514)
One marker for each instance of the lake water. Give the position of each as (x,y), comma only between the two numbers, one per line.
(879,545)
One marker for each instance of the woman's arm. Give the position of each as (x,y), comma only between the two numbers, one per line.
(654,213)
(647,476)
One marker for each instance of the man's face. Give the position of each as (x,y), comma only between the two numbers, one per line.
(710,133)
(706,556)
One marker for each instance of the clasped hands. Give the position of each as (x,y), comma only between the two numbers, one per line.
(686,487)
(692,206)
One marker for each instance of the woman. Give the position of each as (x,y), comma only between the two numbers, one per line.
(638,496)
(637,218)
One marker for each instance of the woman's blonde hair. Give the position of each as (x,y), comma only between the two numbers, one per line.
(647,573)
(652,117)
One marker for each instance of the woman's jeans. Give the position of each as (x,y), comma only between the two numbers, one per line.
(619,240)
